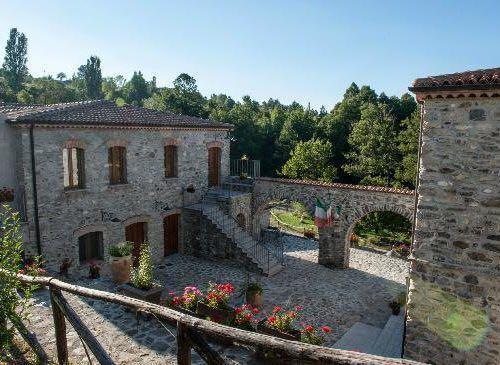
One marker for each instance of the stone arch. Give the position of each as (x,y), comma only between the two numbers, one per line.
(82,231)
(359,215)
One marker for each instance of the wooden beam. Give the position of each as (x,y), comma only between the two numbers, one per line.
(183,345)
(203,349)
(82,330)
(60,329)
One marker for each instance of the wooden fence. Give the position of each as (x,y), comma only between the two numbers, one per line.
(192,333)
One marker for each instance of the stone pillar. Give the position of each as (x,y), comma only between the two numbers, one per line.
(454,294)
(333,250)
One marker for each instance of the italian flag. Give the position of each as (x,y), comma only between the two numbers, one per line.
(321,214)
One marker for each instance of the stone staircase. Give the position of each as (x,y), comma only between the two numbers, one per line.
(258,253)
(387,341)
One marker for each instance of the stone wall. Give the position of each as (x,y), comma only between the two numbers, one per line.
(355,201)
(454,297)
(148,196)
(203,239)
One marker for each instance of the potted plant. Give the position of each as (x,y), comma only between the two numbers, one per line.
(253,295)
(280,324)
(244,317)
(6,194)
(187,302)
(190,188)
(215,304)
(64,267)
(313,335)
(32,267)
(141,284)
(120,261)
(94,270)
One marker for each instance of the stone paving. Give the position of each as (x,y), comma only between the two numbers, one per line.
(337,298)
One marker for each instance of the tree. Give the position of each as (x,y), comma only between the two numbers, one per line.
(14,65)
(93,77)
(61,76)
(136,90)
(406,172)
(373,143)
(310,160)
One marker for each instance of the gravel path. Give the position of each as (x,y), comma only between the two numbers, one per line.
(337,298)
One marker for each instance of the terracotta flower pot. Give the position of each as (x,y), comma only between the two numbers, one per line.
(254,298)
(263,327)
(152,295)
(216,314)
(120,268)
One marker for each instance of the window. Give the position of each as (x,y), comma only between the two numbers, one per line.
(117,165)
(90,246)
(74,168)
(170,161)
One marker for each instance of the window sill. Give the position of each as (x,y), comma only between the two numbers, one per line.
(171,178)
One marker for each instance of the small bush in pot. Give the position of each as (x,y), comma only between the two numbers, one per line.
(141,284)
(281,324)
(245,317)
(216,303)
(94,270)
(254,294)
(313,335)
(120,260)
(187,302)
(395,307)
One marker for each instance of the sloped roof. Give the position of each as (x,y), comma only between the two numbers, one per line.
(101,112)
(469,80)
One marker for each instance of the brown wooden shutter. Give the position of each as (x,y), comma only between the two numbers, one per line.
(170,161)
(122,169)
(80,158)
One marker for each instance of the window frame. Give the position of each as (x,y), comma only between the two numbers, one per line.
(171,161)
(70,155)
(117,160)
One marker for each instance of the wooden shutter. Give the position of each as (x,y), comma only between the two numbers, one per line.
(80,162)
(117,165)
(170,161)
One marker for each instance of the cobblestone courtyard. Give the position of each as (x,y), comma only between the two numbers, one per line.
(335,298)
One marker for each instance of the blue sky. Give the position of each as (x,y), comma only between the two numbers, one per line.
(308,51)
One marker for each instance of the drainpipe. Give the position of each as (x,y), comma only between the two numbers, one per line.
(35,193)
(414,220)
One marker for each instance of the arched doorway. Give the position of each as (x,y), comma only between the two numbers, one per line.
(214,164)
(137,234)
(171,234)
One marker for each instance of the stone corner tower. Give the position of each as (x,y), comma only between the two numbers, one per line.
(454,294)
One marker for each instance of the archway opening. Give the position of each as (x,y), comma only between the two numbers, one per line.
(292,217)
(382,231)
(241,220)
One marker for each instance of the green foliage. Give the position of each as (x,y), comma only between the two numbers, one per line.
(11,248)
(142,276)
(14,66)
(310,160)
(93,78)
(136,90)
(121,249)
(255,288)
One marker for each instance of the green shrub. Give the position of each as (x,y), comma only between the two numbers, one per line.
(121,249)
(14,307)
(254,288)
(142,276)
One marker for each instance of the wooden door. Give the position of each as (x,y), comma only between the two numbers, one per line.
(214,154)
(171,234)
(136,233)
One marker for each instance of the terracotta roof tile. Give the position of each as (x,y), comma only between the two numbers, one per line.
(101,112)
(477,80)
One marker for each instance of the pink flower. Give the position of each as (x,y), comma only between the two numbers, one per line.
(298,308)
(326,329)
(277,309)
(271,319)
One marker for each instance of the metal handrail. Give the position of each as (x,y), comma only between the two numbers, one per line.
(230,226)
(249,168)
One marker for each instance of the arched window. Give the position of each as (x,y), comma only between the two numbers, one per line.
(74,168)
(117,160)
(171,168)
(90,247)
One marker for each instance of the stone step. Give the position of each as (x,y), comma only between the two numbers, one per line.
(390,341)
(360,338)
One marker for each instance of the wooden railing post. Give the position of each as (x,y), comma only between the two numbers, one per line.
(60,329)
(183,345)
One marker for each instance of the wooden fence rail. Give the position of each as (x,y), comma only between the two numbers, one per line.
(192,332)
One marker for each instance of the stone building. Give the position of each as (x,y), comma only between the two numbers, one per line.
(454,295)
(89,174)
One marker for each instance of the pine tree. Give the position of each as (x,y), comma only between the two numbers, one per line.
(93,78)
(14,66)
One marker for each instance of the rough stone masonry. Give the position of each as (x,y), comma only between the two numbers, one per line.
(454,295)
